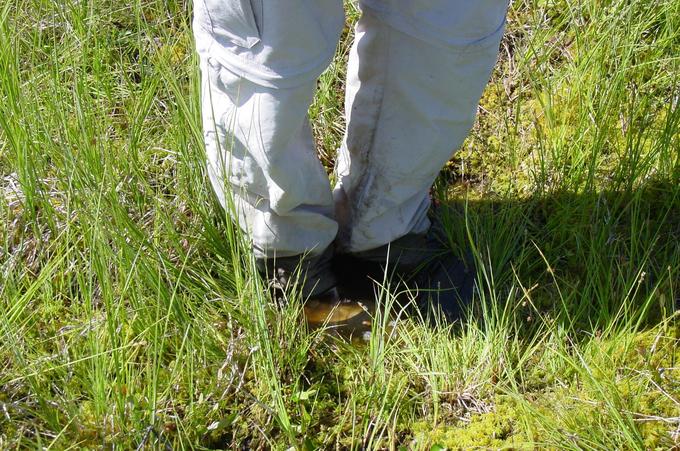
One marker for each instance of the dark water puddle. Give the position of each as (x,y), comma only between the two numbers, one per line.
(352,317)
(348,318)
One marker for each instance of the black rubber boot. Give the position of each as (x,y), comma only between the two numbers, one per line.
(313,272)
(442,282)
(323,306)
(445,285)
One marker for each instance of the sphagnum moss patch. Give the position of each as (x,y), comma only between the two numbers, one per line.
(131,315)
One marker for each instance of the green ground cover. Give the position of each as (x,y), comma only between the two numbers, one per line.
(131,316)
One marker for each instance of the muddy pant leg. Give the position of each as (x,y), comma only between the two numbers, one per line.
(259,63)
(416,72)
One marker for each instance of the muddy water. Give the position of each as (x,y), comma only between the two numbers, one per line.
(347,317)
(352,316)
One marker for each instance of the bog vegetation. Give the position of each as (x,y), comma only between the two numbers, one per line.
(131,316)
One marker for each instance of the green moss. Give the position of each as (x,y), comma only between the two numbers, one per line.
(656,435)
(494,429)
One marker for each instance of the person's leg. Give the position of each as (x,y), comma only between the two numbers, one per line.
(416,72)
(259,64)
(415,75)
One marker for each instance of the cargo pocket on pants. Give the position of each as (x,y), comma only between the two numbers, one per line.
(234,20)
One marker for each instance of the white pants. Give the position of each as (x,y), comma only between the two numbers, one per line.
(415,75)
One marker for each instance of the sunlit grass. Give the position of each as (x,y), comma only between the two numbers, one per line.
(131,314)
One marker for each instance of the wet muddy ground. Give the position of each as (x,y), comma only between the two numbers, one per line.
(367,294)
(346,318)
(353,315)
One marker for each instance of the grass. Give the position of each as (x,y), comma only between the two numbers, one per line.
(131,316)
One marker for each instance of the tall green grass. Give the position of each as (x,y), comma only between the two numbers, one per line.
(131,315)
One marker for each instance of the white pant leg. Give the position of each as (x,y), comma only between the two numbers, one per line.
(416,72)
(259,63)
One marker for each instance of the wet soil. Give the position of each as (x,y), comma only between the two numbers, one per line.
(353,314)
